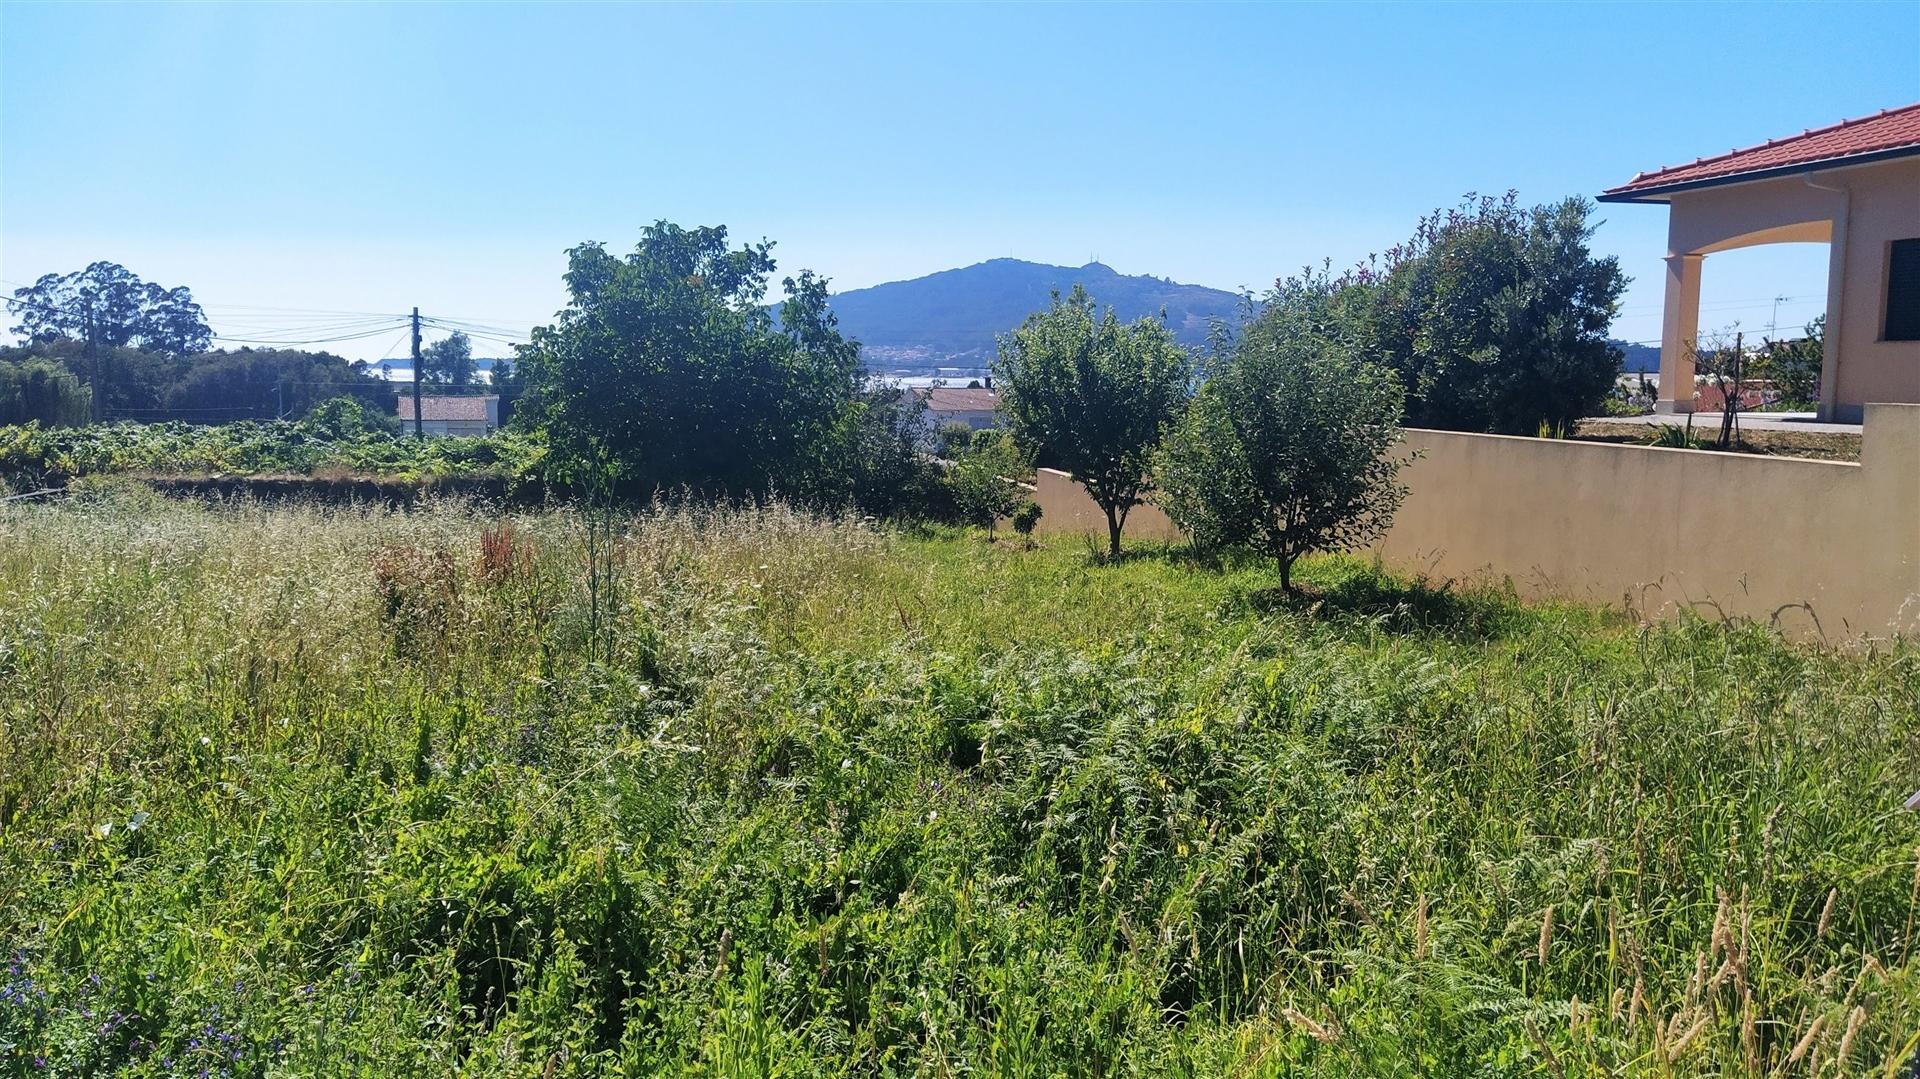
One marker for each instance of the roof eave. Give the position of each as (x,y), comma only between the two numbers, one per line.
(1661,192)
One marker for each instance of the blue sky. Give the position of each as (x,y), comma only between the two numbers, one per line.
(369,157)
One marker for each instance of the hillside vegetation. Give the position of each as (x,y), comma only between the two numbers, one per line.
(746,792)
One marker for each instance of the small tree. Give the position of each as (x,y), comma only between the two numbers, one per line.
(1094,397)
(1727,368)
(1026,519)
(1288,448)
(985,480)
(1795,365)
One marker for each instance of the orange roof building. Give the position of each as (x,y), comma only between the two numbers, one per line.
(1854,186)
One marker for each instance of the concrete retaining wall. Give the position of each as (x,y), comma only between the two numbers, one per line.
(1823,549)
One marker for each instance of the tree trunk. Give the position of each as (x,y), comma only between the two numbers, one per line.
(1113,534)
(1286,574)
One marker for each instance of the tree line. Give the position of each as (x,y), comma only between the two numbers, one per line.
(102,343)
(668,372)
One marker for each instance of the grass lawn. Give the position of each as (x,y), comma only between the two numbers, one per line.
(309,791)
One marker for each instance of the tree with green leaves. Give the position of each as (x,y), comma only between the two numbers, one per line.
(666,371)
(1288,447)
(41,391)
(985,479)
(1795,365)
(108,306)
(448,362)
(1085,393)
(1495,317)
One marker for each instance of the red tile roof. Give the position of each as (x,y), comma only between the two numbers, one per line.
(445,406)
(1888,133)
(946,399)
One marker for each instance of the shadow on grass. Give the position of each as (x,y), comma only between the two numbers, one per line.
(1349,593)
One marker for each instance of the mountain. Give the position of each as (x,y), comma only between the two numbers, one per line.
(950,320)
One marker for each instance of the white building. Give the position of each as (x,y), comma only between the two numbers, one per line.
(448,414)
(974,407)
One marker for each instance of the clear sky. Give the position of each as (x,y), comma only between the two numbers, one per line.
(368,157)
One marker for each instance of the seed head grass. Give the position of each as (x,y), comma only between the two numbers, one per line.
(305,790)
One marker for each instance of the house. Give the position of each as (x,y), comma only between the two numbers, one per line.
(974,407)
(451,414)
(1854,186)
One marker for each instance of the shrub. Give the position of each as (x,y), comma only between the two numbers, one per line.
(1026,519)
(985,481)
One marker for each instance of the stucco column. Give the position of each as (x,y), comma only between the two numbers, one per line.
(1679,333)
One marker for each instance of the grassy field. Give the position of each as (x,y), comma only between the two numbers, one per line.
(309,791)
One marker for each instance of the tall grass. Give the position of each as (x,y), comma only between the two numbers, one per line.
(747,792)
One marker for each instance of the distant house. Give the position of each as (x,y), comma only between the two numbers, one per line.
(1854,186)
(975,408)
(451,414)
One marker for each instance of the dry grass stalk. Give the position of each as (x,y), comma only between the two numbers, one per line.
(1315,1030)
(1546,935)
(1420,929)
(1826,914)
(1854,1021)
(1680,1045)
(1749,1033)
(1546,1051)
(1806,1041)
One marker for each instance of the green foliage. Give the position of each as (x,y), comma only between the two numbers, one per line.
(985,480)
(1674,436)
(342,435)
(1288,448)
(38,391)
(1082,392)
(448,362)
(1794,366)
(886,473)
(111,307)
(952,439)
(825,800)
(1495,317)
(212,387)
(664,372)
(343,419)
(1027,518)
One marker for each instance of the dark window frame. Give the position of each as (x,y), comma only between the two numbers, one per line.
(1900,317)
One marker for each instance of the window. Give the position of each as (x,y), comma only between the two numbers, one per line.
(1903,292)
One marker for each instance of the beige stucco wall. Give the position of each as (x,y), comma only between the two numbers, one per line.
(1658,530)
(1860,210)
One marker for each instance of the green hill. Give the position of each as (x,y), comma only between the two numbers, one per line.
(952,318)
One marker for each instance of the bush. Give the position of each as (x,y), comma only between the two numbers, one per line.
(1495,317)
(952,439)
(985,481)
(665,372)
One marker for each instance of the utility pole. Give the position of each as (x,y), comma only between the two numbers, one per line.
(93,362)
(418,431)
